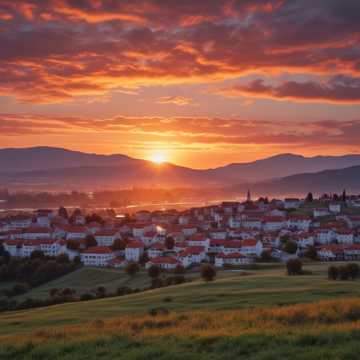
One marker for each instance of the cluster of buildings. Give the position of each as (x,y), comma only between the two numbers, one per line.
(228,234)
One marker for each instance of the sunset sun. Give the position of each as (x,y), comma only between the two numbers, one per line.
(158,157)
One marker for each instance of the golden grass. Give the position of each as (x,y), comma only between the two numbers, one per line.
(339,315)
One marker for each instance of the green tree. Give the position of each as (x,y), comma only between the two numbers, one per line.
(333,272)
(208,272)
(290,247)
(169,242)
(353,270)
(154,271)
(294,267)
(132,269)
(90,241)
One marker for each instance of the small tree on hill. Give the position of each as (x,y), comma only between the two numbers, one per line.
(208,272)
(343,197)
(62,212)
(90,241)
(311,253)
(169,242)
(132,268)
(290,247)
(333,272)
(309,198)
(294,267)
(179,270)
(343,273)
(353,270)
(119,244)
(154,271)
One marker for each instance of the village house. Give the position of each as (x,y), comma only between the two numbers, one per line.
(292,203)
(163,262)
(273,223)
(252,247)
(344,236)
(331,252)
(233,259)
(156,250)
(134,250)
(98,256)
(106,237)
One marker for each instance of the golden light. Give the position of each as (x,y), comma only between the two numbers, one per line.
(158,157)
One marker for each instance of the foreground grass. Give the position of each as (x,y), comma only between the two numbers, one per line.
(326,330)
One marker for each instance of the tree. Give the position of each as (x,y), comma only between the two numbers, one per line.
(179,270)
(343,273)
(132,268)
(266,256)
(90,241)
(284,239)
(309,197)
(73,245)
(63,259)
(62,212)
(94,218)
(53,292)
(20,288)
(101,292)
(343,197)
(208,272)
(290,247)
(333,272)
(311,253)
(353,270)
(119,244)
(154,271)
(37,254)
(294,267)
(169,242)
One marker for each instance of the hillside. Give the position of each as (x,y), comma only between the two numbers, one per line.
(201,321)
(327,181)
(56,168)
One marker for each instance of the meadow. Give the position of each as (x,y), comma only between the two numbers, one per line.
(263,315)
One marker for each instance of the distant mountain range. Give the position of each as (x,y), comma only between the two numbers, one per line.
(55,168)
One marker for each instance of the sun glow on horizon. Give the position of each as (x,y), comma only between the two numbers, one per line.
(158,157)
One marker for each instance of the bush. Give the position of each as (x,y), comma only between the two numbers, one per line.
(353,270)
(154,271)
(86,297)
(20,288)
(344,273)
(294,267)
(290,247)
(179,270)
(132,268)
(208,272)
(311,253)
(333,272)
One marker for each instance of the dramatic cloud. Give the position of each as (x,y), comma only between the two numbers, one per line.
(176,100)
(57,50)
(343,90)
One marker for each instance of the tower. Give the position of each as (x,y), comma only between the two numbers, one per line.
(248,197)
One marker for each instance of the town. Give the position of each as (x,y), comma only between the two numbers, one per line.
(230,234)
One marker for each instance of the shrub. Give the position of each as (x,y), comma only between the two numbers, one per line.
(294,267)
(290,247)
(208,272)
(333,272)
(20,288)
(132,268)
(167,299)
(86,297)
(179,270)
(154,271)
(344,273)
(353,270)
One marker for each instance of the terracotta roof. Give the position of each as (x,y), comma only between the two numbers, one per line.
(135,244)
(98,250)
(164,260)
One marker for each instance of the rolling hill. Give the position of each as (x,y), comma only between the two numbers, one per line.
(56,168)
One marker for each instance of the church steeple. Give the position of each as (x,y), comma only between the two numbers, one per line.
(248,197)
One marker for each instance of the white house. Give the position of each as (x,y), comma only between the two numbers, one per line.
(76,233)
(292,203)
(163,262)
(13,247)
(344,236)
(335,208)
(156,250)
(252,247)
(99,256)
(319,212)
(273,223)
(34,233)
(106,237)
(234,259)
(192,255)
(134,250)
(299,222)
(199,240)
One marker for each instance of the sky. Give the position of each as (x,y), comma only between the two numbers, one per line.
(198,83)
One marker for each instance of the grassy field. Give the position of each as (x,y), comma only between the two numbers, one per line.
(39,333)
